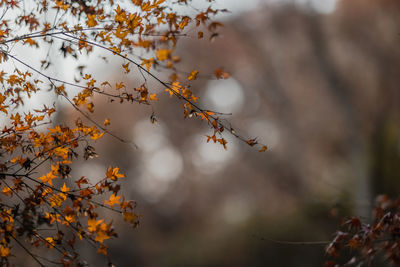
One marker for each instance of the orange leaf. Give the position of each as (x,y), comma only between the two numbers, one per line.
(193,75)
(91,22)
(263,149)
(113,200)
(113,174)
(221,74)
(163,54)
(153,97)
(4,251)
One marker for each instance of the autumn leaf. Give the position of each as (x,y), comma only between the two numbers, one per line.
(48,178)
(90,107)
(102,250)
(147,63)
(81,181)
(163,54)
(126,67)
(263,149)
(61,5)
(221,74)
(223,142)
(113,174)
(50,243)
(129,217)
(252,142)
(7,191)
(64,188)
(101,236)
(353,243)
(174,89)
(93,224)
(119,85)
(96,136)
(193,75)
(114,200)
(91,21)
(31,42)
(4,251)
(153,97)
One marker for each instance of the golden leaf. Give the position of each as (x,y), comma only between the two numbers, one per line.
(101,236)
(263,149)
(4,251)
(163,54)
(113,200)
(193,75)
(91,22)
(153,97)
(64,188)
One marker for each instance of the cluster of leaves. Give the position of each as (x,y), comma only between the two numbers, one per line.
(42,204)
(370,243)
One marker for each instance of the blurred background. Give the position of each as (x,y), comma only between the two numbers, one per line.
(318,82)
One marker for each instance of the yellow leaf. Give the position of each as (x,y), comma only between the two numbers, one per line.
(174,89)
(31,42)
(113,200)
(126,67)
(119,85)
(193,75)
(221,74)
(147,63)
(90,107)
(129,217)
(7,191)
(163,54)
(93,224)
(91,22)
(185,21)
(102,249)
(64,188)
(96,136)
(68,220)
(50,242)
(153,97)
(60,4)
(4,251)
(113,174)
(101,236)
(263,149)
(106,122)
(48,178)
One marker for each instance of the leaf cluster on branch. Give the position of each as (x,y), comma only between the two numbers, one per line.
(42,205)
(369,244)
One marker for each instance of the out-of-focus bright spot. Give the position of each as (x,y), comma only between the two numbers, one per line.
(267,132)
(322,6)
(236,209)
(210,158)
(152,189)
(149,137)
(165,164)
(225,95)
